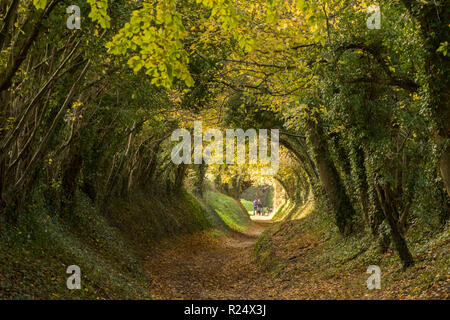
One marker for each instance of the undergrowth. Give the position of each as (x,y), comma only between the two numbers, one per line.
(110,245)
(284,249)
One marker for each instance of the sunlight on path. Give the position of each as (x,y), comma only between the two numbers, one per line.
(262,218)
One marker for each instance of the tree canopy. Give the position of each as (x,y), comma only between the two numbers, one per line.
(363,113)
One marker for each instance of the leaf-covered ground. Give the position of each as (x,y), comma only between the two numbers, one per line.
(282,264)
(210,266)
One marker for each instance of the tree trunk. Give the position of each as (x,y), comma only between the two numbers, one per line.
(199,181)
(362,184)
(339,200)
(392,216)
(69,182)
(434,19)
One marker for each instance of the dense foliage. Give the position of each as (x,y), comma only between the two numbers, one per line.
(363,113)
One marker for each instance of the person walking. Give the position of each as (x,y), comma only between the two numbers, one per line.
(255,207)
(260,205)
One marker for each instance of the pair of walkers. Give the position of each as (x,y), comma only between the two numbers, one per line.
(257,207)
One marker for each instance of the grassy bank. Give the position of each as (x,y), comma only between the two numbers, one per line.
(335,267)
(110,246)
(228,210)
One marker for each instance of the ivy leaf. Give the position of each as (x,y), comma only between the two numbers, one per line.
(40,4)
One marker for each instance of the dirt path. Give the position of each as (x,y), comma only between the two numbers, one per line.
(201,266)
(206,267)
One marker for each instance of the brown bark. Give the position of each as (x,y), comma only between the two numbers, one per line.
(69,180)
(332,183)
(394,220)
(362,183)
(51,130)
(7,22)
(11,69)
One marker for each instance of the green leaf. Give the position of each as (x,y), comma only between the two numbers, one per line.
(40,4)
